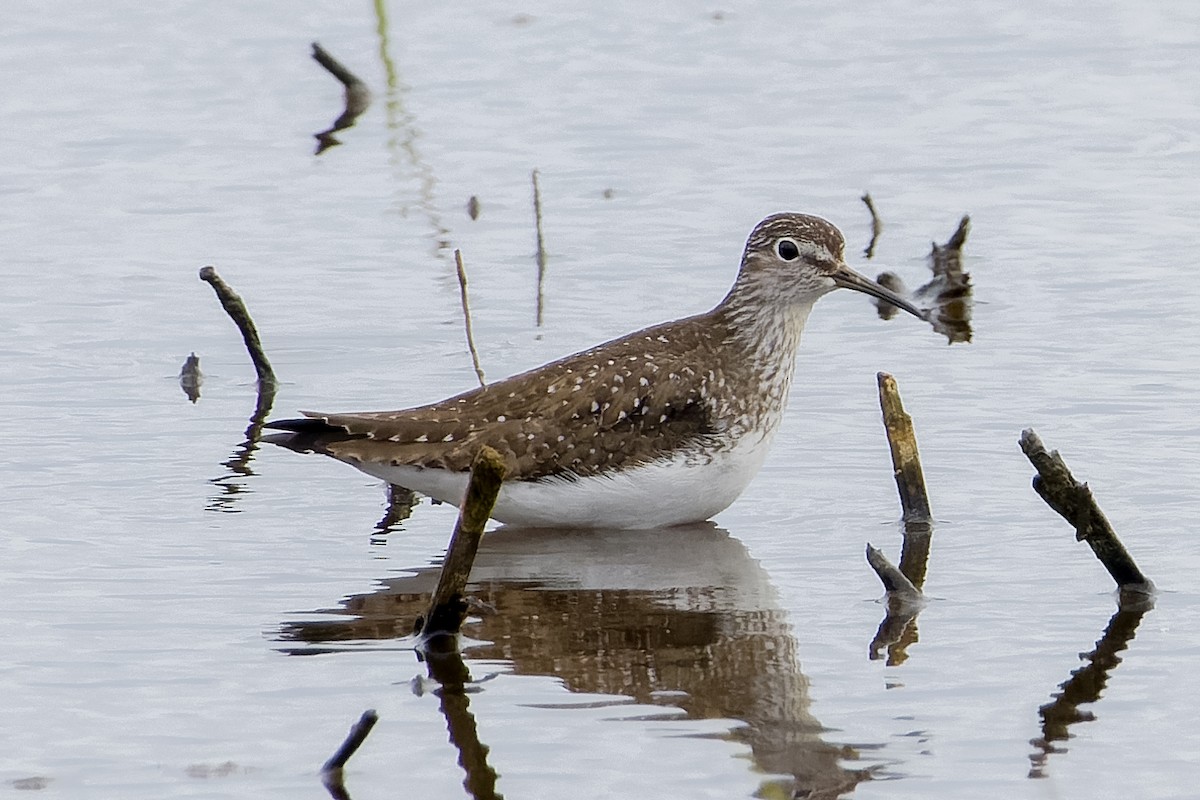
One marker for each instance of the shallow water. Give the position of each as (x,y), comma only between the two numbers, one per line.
(163,577)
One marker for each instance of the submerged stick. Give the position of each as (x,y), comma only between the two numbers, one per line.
(541,246)
(466,307)
(894,581)
(236,309)
(898,629)
(1073,501)
(191,378)
(906,461)
(914,552)
(448,606)
(354,740)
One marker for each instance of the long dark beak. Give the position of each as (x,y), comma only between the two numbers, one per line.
(847,278)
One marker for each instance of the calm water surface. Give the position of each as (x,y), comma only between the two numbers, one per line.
(190,616)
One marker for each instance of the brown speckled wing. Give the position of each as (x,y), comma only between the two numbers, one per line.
(579,416)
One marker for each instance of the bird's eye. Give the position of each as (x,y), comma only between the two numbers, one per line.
(787,249)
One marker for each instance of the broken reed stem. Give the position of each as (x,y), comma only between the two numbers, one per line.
(541,246)
(906,461)
(448,606)
(236,309)
(466,307)
(354,740)
(876,225)
(1073,501)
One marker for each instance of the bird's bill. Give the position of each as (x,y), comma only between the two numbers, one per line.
(847,278)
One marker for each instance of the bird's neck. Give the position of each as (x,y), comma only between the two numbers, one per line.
(763,335)
(763,325)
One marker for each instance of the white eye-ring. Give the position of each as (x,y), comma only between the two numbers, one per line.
(787,249)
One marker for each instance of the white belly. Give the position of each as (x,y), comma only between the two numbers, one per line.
(656,495)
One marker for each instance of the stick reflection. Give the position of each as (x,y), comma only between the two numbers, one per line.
(898,629)
(1086,684)
(232,484)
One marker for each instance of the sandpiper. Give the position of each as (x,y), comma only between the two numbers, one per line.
(660,427)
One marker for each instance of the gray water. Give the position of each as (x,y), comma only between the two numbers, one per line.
(189,615)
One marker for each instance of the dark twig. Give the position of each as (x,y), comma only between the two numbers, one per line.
(448,606)
(1073,501)
(236,309)
(541,246)
(357,99)
(906,461)
(335,67)
(466,307)
(876,225)
(354,740)
(239,463)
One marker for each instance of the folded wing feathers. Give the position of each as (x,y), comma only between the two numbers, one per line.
(623,410)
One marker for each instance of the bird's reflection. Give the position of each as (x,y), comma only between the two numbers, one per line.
(682,616)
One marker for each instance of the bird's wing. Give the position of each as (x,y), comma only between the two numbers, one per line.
(582,415)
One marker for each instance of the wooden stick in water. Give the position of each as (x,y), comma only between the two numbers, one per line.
(236,309)
(448,606)
(354,740)
(466,307)
(906,461)
(1073,501)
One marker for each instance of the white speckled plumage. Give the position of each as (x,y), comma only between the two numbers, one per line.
(661,427)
